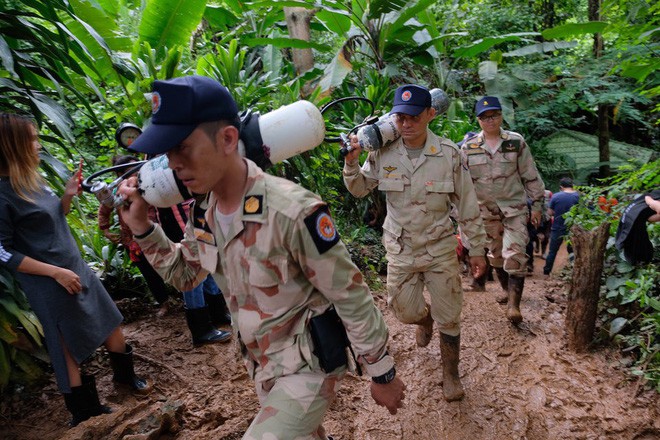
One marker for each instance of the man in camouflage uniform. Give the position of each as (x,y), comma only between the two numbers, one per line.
(274,250)
(504,175)
(421,176)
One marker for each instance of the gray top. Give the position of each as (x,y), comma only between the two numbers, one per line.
(39,230)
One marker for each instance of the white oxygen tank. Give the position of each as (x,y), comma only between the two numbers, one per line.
(159,185)
(267,139)
(384,131)
(290,130)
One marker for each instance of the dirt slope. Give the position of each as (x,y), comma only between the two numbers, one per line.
(521,383)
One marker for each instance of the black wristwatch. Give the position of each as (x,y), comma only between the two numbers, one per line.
(385,378)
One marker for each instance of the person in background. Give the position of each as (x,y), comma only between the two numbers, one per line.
(655,206)
(205,306)
(632,237)
(422,177)
(36,245)
(505,176)
(561,203)
(199,316)
(273,248)
(155,283)
(543,231)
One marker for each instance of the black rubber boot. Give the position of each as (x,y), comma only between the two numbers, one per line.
(83,401)
(516,285)
(203,332)
(503,278)
(122,365)
(450,349)
(218,309)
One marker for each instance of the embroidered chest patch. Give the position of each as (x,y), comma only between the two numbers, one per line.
(322,229)
(510,146)
(201,228)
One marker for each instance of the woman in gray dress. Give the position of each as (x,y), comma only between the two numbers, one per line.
(36,244)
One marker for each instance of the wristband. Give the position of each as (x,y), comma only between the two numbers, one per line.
(380,367)
(147,232)
(385,378)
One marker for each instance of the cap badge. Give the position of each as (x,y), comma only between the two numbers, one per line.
(155,102)
(485,102)
(405,96)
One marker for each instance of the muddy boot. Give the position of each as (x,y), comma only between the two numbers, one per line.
(218,309)
(83,401)
(424,331)
(503,278)
(516,285)
(450,347)
(201,329)
(122,366)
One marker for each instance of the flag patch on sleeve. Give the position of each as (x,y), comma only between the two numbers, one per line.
(322,229)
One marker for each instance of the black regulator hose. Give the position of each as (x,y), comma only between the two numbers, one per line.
(339,101)
(133,167)
(343,139)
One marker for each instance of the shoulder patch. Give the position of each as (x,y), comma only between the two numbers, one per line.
(322,229)
(253,204)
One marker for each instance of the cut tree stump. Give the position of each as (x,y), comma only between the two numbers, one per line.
(588,248)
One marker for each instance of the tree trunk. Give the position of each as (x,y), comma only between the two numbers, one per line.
(603,109)
(298,23)
(589,247)
(604,139)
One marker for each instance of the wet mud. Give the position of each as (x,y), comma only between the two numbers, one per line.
(520,383)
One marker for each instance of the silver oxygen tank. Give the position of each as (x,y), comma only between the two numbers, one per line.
(383,132)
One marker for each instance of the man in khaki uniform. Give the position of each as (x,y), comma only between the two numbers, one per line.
(504,175)
(274,250)
(422,176)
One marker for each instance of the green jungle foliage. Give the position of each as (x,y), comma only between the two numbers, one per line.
(82,67)
(630,294)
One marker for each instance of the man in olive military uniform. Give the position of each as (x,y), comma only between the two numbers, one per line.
(422,176)
(504,175)
(274,250)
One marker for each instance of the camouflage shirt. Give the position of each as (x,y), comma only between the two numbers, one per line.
(506,178)
(280,263)
(420,195)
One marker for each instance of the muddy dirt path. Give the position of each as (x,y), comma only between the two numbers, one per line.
(520,383)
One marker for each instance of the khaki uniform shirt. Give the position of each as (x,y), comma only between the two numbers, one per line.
(420,197)
(280,263)
(506,178)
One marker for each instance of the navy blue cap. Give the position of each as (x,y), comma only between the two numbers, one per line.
(178,106)
(487,103)
(411,99)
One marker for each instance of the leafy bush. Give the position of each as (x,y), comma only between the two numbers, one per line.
(629,312)
(21,335)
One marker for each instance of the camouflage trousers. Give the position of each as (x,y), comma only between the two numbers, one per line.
(441,277)
(293,407)
(507,239)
